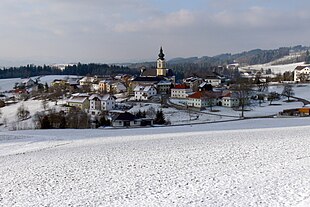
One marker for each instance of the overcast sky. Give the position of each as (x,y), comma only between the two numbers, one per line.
(133,30)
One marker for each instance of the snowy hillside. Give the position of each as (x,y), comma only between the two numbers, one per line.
(243,163)
(275,68)
(8,84)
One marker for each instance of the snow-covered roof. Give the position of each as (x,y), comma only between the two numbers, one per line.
(102,98)
(147,88)
(77,99)
(81,94)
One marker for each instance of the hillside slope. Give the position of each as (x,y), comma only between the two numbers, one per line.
(159,166)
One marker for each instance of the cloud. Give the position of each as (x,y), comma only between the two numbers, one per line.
(161,23)
(110,30)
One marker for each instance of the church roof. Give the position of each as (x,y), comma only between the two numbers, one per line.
(161,55)
(148,79)
(147,72)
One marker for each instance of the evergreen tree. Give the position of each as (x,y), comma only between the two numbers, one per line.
(160,117)
(307,61)
(104,122)
(45,124)
(139,114)
(46,87)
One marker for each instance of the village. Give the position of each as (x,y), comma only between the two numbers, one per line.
(121,100)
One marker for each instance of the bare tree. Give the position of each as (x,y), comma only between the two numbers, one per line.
(303,77)
(288,91)
(77,119)
(22,113)
(272,96)
(242,89)
(44,104)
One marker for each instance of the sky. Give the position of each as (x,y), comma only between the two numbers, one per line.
(107,31)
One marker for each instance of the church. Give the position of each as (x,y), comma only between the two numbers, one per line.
(161,77)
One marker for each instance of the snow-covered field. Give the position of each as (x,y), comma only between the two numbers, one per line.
(275,68)
(263,162)
(8,84)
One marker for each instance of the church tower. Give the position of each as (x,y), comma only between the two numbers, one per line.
(161,64)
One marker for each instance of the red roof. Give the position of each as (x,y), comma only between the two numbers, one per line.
(181,86)
(205,94)
(196,95)
(227,94)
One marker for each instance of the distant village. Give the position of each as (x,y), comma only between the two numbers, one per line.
(105,100)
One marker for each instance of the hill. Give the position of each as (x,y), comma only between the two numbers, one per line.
(208,166)
(282,55)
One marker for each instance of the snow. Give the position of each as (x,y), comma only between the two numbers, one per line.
(9,113)
(263,162)
(8,84)
(255,162)
(275,68)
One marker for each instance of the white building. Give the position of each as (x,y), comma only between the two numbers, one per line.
(118,87)
(181,91)
(193,82)
(144,93)
(202,99)
(214,79)
(299,71)
(98,103)
(230,101)
(88,80)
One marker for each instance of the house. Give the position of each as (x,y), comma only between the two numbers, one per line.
(98,103)
(79,101)
(181,91)
(88,81)
(204,86)
(126,119)
(118,87)
(202,99)
(59,82)
(28,83)
(229,100)
(193,82)
(301,73)
(214,79)
(164,87)
(144,93)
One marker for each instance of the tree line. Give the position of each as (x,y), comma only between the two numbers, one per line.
(78,69)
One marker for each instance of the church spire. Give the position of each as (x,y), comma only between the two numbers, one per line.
(161,55)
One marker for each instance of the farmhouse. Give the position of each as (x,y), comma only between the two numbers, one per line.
(144,93)
(79,101)
(301,73)
(202,99)
(98,103)
(181,91)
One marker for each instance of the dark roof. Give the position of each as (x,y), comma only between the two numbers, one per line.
(124,117)
(300,67)
(213,75)
(150,72)
(148,79)
(146,72)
